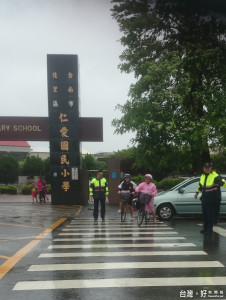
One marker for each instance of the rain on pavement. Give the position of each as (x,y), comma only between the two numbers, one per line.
(59,252)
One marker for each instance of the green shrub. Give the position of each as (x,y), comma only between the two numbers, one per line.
(165,184)
(168,183)
(26,190)
(138,179)
(11,189)
(8,189)
(3,189)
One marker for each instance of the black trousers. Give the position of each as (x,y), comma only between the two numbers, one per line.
(217,211)
(208,210)
(42,196)
(96,208)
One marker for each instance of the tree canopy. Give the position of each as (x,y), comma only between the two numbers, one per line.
(33,166)
(9,168)
(177,52)
(89,162)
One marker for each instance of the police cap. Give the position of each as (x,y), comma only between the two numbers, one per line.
(207,165)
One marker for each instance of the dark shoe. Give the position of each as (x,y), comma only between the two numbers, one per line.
(95,220)
(103,220)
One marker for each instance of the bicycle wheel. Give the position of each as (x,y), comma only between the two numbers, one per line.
(123,212)
(140,216)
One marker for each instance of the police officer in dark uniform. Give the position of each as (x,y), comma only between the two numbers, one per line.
(209,187)
(99,191)
(218,202)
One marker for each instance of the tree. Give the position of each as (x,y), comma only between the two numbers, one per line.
(177,51)
(89,162)
(46,169)
(9,169)
(134,161)
(128,161)
(33,166)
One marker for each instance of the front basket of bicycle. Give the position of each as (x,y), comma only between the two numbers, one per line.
(145,198)
(125,196)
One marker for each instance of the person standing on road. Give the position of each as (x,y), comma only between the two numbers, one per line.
(34,193)
(148,187)
(127,185)
(41,185)
(209,185)
(99,191)
(218,201)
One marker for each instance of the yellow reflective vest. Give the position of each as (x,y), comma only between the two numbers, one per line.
(209,186)
(98,188)
(207,182)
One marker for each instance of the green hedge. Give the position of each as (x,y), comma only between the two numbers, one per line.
(26,190)
(3,189)
(165,184)
(138,179)
(168,183)
(8,189)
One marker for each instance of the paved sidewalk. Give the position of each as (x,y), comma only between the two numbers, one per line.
(17,198)
(85,212)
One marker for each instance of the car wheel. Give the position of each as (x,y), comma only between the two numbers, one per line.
(165,212)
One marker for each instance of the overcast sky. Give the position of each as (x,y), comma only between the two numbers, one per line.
(31,29)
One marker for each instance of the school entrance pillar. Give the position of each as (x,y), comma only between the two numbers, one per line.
(64,129)
(113,178)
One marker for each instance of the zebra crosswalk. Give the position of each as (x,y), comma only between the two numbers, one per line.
(92,256)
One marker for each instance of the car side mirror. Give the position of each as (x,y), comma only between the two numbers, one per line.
(181,191)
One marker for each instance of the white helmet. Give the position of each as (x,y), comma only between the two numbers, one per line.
(148,176)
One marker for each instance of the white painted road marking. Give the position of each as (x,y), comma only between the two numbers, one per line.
(115,229)
(219,230)
(124,253)
(156,238)
(120,282)
(153,236)
(115,226)
(145,245)
(119,233)
(127,265)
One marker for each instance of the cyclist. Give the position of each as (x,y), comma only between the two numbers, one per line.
(127,185)
(148,187)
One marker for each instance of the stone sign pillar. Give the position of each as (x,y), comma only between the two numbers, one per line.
(113,179)
(63,98)
(64,129)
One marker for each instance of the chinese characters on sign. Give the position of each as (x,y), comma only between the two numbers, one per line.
(63,128)
(202,294)
(64,143)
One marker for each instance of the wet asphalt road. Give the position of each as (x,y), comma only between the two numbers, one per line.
(58,252)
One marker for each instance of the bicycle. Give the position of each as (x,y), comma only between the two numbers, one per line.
(125,196)
(142,213)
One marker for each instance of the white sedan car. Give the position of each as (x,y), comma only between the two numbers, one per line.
(180,200)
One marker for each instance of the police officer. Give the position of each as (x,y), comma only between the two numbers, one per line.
(218,202)
(209,186)
(99,190)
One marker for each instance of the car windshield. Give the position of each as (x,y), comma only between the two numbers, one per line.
(188,181)
(181,183)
